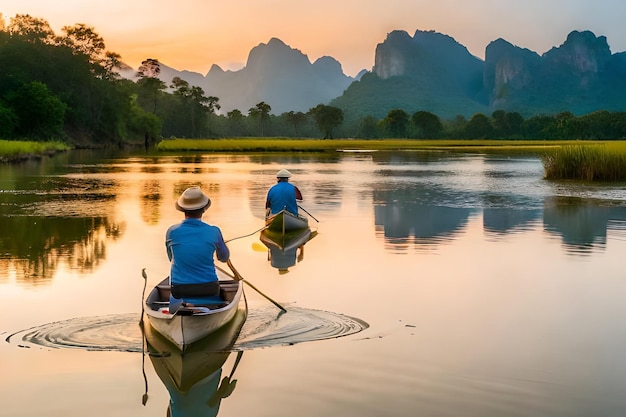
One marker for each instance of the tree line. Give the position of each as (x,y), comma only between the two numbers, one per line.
(68,87)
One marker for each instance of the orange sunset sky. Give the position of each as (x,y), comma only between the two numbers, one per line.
(195,34)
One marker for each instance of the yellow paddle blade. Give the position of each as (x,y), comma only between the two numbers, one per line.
(259,247)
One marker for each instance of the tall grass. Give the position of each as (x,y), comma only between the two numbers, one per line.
(595,162)
(272,144)
(20,149)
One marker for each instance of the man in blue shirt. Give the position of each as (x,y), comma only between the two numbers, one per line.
(282,195)
(191,246)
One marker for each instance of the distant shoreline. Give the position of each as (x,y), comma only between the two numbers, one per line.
(237,145)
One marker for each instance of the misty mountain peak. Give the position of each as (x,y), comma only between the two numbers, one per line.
(401,54)
(276,56)
(581,51)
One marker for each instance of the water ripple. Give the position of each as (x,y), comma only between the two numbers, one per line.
(122,333)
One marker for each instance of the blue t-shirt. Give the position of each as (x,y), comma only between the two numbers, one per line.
(282,195)
(191,246)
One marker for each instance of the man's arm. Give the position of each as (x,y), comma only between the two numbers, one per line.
(221,250)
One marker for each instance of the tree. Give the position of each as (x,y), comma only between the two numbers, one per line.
(327,118)
(149,68)
(83,39)
(295,119)
(235,122)
(194,103)
(262,112)
(500,123)
(429,125)
(478,127)
(8,121)
(396,123)
(150,86)
(31,29)
(39,112)
(368,127)
(111,64)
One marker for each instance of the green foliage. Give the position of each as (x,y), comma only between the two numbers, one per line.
(427,124)
(261,112)
(396,123)
(479,127)
(8,121)
(368,128)
(61,86)
(40,114)
(327,118)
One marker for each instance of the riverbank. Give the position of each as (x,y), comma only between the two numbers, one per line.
(334,145)
(20,150)
(564,159)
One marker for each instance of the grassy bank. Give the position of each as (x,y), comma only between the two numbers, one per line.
(597,162)
(321,145)
(16,150)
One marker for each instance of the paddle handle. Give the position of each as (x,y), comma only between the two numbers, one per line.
(313,217)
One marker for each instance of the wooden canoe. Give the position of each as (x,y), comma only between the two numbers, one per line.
(191,324)
(284,221)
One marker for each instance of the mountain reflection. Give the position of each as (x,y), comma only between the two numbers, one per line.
(407,216)
(505,220)
(35,246)
(581,223)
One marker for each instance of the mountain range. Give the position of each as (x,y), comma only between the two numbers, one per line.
(427,71)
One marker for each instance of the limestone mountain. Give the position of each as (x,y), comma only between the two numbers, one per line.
(281,76)
(427,71)
(580,76)
(275,73)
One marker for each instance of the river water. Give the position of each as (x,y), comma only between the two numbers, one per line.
(434,284)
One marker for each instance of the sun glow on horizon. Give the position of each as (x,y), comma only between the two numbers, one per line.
(197,34)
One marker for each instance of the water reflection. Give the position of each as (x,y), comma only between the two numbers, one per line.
(285,249)
(151,201)
(582,223)
(414,215)
(501,221)
(35,246)
(194,378)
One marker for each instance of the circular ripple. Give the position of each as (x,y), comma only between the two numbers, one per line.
(122,333)
(118,332)
(262,329)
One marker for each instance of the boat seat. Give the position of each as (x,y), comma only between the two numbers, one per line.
(164,291)
(228,289)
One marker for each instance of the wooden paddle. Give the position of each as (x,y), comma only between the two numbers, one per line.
(302,208)
(143,294)
(238,277)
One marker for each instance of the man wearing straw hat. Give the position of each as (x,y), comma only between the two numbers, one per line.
(191,246)
(282,195)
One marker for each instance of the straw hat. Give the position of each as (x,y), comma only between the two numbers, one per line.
(283,173)
(193,199)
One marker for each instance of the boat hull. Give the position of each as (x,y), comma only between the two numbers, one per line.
(180,370)
(286,241)
(189,325)
(284,221)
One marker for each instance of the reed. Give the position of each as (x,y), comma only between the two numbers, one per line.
(21,149)
(594,162)
(323,145)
